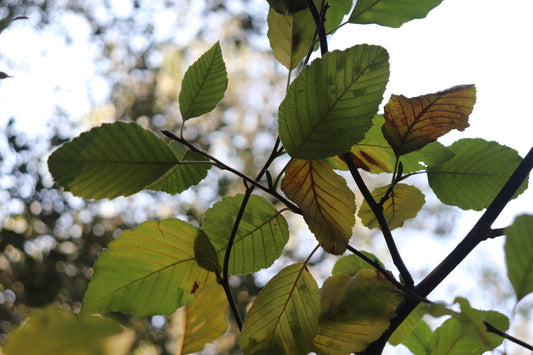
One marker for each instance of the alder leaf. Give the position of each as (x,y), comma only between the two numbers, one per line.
(328,205)
(287,7)
(330,105)
(260,239)
(356,310)
(410,323)
(204,84)
(202,321)
(53,330)
(335,13)
(117,159)
(519,255)
(475,175)
(284,317)
(417,341)
(149,270)
(390,13)
(352,264)
(404,203)
(411,123)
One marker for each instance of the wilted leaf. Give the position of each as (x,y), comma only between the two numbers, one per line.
(411,123)
(391,13)
(404,202)
(356,310)
(184,174)
(327,203)
(519,255)
(56,331)
(475,175)
(112,160)
(204,84)
(260,239)
(284,316)
(202,321)
(149,270)
(352,264)
(330,105)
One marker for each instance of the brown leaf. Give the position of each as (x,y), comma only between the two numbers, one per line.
(411,123)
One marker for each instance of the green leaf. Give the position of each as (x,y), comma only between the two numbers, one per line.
(418,340)
(409,325)
(519,255)
(330,105)
(205,253)
(352,264)
(336,11)
(356,310)
(390,13)
(327,204)
(260,239)
(202,321)
(404,203)
(149,270)
(117,159)
(287,7)
(284,316)
(189,171)
(290,36)
(475,175)
(52,330)
(204,84)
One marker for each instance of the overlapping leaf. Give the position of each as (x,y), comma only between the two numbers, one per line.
(112,160)
(410,323)
(391,13)
(475,175)
(330,105)
(150,269)
(202,321)
(411,123)
(417,341)
(404,202)
(519,255)
(287,7)
(327,203)
(356,310)
(204,84)
(352,264)
(262,233)
(284,317)
(188,172)
(335,13)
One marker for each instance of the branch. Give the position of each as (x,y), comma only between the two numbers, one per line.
(319,23)
(493,329)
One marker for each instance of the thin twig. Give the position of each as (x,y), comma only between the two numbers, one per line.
(321,30)
(493,329)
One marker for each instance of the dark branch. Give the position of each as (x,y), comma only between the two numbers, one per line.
(493,329)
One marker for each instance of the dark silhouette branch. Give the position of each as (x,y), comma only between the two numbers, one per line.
(493,329)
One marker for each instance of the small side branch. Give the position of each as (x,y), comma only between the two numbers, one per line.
(493,329)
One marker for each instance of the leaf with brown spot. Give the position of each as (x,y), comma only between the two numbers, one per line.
(327,203)
(411,123)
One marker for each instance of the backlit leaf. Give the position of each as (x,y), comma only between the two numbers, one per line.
(327,203)
(356,310)
(284,316)
(202,321)
(404,202)
(183,175)
(352,264)
(330,105)
(417,341)
(409,325)
(335,13)
(287,7)
(260,239)
(519,255)
(204,84)
(391,13)
(112,160)
(411,123)
(56,331)
(150,269)
(475,175)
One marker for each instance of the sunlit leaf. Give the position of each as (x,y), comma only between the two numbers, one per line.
(336,11)
(475,175)
(352,264)
(150,269)
(391,13)
(284,316)
(204,84)
(185,173)
(404,203)
(519,255)
(356,310)
(327,203)
(202,321)
(330,105)
(262,233)
(411,123)
(418,340)
(56,331)
(112,160)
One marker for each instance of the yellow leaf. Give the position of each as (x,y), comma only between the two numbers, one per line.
(411,123)
(327,203)
(403,203)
